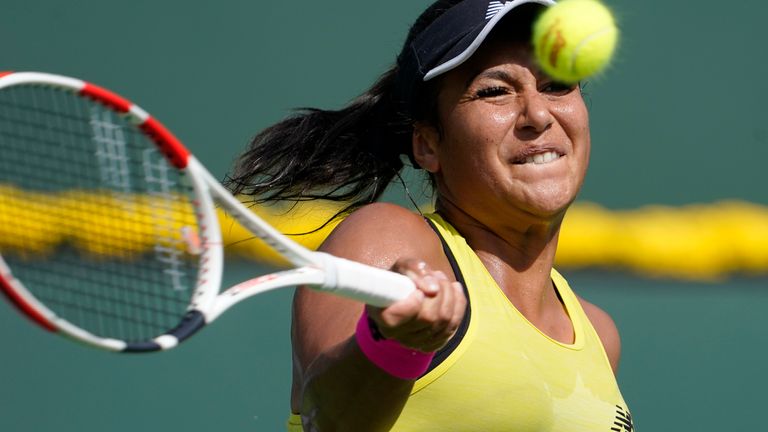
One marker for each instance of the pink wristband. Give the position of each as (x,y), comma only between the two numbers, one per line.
(390,355)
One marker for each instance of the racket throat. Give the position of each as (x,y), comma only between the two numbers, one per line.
(190,324)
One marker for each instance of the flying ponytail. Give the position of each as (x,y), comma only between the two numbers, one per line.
(348,155)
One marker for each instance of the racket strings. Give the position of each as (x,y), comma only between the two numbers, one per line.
(93,221)
(115,312)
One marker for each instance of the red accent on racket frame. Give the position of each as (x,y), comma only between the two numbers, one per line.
(4,73)
(106,97)
(171,147)
(25,307)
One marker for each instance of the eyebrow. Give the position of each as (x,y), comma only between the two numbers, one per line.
(496,74)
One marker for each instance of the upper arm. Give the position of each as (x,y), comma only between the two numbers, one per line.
(377,235)
(607,331)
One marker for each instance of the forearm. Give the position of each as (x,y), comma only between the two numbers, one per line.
(344,391)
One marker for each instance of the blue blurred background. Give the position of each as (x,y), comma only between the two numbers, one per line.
(678,120)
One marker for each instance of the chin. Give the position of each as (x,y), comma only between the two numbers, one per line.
(550,200)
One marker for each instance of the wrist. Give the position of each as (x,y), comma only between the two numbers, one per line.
(389,355)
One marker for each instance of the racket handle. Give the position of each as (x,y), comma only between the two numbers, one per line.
(371,285)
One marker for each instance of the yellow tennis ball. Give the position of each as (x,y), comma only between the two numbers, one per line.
(574,39)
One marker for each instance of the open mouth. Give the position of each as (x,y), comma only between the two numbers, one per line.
(539,158)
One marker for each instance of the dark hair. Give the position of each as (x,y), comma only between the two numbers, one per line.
(348,155)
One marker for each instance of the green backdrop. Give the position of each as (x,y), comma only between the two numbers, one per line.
(679,119)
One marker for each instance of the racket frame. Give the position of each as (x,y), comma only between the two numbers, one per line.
(316,269)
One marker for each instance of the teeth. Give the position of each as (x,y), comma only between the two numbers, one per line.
(542,158)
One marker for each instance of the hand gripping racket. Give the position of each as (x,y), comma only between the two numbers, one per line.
(109,232)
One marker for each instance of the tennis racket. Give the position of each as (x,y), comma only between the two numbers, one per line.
(109,231)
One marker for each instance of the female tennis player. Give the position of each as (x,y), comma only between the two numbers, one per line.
(493,339)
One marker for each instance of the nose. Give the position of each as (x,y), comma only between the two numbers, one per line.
(535,115)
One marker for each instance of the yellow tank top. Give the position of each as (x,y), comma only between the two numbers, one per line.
(506,375)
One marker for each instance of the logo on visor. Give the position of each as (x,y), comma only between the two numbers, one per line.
(494,8)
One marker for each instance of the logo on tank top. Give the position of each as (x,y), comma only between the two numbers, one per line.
(623,421)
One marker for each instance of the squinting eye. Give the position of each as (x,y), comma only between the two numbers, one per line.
(491,92)
(558,88)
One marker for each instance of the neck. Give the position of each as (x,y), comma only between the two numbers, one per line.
(518,250)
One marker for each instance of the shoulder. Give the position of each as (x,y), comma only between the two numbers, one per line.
(378,234)
(607,331)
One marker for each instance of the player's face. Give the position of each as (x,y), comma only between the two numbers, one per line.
(511,137)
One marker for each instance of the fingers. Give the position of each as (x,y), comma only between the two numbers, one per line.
(430,316)
(426,280)
(440,322)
